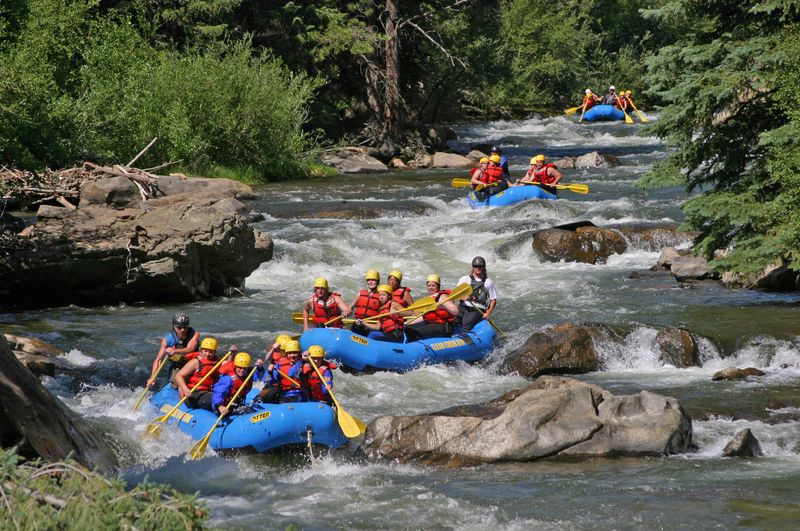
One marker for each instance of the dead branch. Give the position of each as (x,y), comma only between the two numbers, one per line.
(142,152)
(453,59)
(426,14)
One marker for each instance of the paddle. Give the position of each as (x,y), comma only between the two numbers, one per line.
(577,188)
(642,117)
(350,426)
(497,328)
(154,428)
(199,449)
(628,119)
(423,305)
(460,183)
(144,391)
(295,382)
(572,110)
(583,110)
(461,291)
(297,317)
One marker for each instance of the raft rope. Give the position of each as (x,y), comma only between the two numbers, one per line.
(309,435)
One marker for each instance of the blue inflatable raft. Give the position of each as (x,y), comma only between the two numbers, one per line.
(267,427)
(365,355)
(511,196)
(603,113)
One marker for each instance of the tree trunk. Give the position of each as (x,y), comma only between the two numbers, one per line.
(392,104)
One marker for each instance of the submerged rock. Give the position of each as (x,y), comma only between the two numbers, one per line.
(652,237)
(734,373)
(40,424)
(551,417)
(743,444)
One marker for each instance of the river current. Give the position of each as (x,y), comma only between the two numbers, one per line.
(415,222)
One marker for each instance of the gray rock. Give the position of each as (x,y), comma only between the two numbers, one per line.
(587,244)
(553,416)
(354,160)
(40,424)
(565,348)
(667,256)
(476,155)
(180,248)
(114,192)
(652,236)
(777,277)
(450,160)
(734,373)
(421,160)
(175,185)
(596,160)
(691,267)
(678,347)
(567,163)
(743,444)
(33,346)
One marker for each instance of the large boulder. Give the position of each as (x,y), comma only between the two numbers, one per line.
(551,417)
(596,160)
(777,277)
(577,348)
(652,237)
(450,160)
(735,373)
(40,424)
(354,160)
(114,192)
(39,357)
(690,267)
(182,247)
(476,155)
(587,244)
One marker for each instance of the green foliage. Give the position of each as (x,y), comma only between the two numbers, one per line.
(730,83)
(67,496)
(77,85)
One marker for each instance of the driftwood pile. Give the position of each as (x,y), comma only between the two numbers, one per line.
(63,186)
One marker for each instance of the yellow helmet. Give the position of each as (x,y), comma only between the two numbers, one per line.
(396,273)
(483,160)
(316,351)
(385,288)
(434,278)
(243,360)
(209,343)
(372,275)
(628,93)
(291,346)
(282,339)
(495,158)
(537,158)
(321,283)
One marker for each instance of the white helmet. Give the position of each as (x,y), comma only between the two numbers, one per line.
(612,87)
(588,91)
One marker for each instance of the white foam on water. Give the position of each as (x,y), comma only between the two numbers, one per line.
(776,440)
(79,359)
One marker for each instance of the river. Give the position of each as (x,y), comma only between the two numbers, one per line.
(415,222)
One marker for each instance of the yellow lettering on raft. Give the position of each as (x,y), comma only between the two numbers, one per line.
(359,339)
(182,416)
(259,417)
(448,344)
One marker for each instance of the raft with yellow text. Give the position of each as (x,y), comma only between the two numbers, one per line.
(263,428)
(358,353)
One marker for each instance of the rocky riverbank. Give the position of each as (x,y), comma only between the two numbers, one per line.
(192,242)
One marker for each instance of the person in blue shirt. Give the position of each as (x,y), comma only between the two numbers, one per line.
(503,161)
(229,384)
(288,370)
(182,340)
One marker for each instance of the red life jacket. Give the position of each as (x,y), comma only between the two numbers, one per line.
(392,322)
(589,101)
(622,102)
(313,381)
(284,365)
(206,365)
(492,175)
(398,296)
(541,176)
(439,315)
(237,384)
(325,310)
(367,304)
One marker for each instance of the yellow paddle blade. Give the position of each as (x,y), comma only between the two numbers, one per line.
(460,292)
(154,428)
(572,110)
(460,183)
(199,449)
(361,426)
(642,117)
(348,424)
(628,119)
(297,318)
(577,188)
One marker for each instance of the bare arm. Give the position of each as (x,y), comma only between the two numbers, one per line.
(307,306)
(343,307)
(408,298)
(186,371)
(552,172)
(474,180)
(490,309)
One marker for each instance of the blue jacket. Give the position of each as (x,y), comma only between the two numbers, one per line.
(225,384)
(504,165)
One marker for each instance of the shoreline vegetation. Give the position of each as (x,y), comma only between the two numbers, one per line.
(66,495)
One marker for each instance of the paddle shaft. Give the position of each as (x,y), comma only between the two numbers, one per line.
(144,391)
(166,417)
(343,416)
(641,116)
(199,449)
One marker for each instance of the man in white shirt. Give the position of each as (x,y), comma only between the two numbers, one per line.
(483,300)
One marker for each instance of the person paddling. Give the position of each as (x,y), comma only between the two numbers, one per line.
(400,294)
(287,371)
(544,175)
(229,384)
(503,161)
(367,302)
(483,300)
(611,97)
(181,341)
(198,365)
(323,306)
(316,390)
(389,327)
(438,322)
(271,392)
(590,99)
